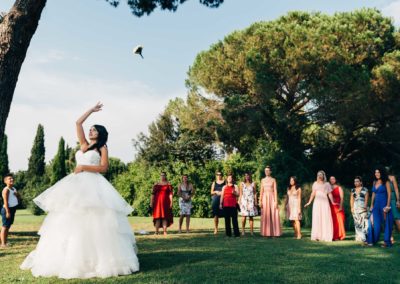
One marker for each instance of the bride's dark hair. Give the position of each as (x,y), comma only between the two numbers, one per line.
(101,138)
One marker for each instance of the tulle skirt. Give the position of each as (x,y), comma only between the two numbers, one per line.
(86,232)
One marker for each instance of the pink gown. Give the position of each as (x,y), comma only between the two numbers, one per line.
(322,226)
(270,225)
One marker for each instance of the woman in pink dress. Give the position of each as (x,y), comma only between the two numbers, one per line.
(270,225)
(338,217)
(322,226)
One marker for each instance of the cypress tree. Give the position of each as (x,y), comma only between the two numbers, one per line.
(4,169)
(36,165)
(58,165)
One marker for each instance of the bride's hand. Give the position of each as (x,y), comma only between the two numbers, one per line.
(97,107)
(78,169)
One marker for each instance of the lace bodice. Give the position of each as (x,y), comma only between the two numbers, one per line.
(91,158)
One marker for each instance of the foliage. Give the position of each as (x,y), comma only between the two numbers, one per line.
(36,164)
(145,7)
(58,164)
(324,88)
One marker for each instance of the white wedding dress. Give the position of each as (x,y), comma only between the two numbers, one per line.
(86,232)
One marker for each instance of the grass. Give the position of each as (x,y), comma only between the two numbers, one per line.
(201,257)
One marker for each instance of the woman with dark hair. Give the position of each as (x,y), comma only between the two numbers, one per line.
(161,202)
(248,202)
(216,189)
(338,218)
(358,204)
(294,205)
(186,192)
(228,202)
(321,227)
(380,208)
(86,232)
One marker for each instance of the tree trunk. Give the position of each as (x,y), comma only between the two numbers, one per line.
(16,31)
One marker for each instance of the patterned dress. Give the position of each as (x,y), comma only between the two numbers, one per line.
(247,204)
(360,214)
(185,206)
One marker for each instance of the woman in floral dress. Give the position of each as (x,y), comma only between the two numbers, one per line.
(248,202)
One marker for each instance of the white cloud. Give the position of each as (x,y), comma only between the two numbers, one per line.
(56,101)
(393,10)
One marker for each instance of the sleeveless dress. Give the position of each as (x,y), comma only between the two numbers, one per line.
(322,227)
(162,204)
(86,232)
(338,218)
(216,211)
(247,206)
(270,225)
(293,206)
(379,218)
(185,206)
(360,214)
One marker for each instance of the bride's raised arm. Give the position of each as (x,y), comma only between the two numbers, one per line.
(79,129)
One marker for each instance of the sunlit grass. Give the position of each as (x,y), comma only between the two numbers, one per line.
(201,257)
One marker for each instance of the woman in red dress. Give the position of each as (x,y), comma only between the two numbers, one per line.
(161,202)
(338,218)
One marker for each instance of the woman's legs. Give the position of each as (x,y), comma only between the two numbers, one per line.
(181,222)
(215,224)
(251,221)
(297,229)
(164,224)
(243,224)
(157,225)
(187,223)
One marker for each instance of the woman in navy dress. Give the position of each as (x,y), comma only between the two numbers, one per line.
(381,213)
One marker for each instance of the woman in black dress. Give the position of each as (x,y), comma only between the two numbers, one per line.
(216,189)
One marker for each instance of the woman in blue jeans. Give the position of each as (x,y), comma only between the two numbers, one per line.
(381,213)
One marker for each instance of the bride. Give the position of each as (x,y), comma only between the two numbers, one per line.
(86,232)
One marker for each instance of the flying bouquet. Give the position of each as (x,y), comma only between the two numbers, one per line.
(138,50)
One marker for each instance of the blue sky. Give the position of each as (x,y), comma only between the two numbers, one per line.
(82,53)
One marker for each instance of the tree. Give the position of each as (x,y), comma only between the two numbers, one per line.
(320,86)
(58,165)
(18,26)
(36,164)
(4,169)
(181,133)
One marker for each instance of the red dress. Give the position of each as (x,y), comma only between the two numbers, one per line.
(162,204)
(338,218)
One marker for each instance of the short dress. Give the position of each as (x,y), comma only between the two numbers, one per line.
(247,202)
(184,205)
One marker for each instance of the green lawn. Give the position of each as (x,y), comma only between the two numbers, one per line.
(201,257)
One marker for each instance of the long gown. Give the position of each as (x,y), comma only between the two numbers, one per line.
(86,232)
(322,227)
(338,217)
(270,225)
(378,218)
(360,214)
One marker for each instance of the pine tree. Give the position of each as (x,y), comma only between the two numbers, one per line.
(58,165)
(36,165)
(4,169)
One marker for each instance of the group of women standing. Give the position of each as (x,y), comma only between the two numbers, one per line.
(328,216)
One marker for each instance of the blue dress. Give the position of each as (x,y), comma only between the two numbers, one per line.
(377,219)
